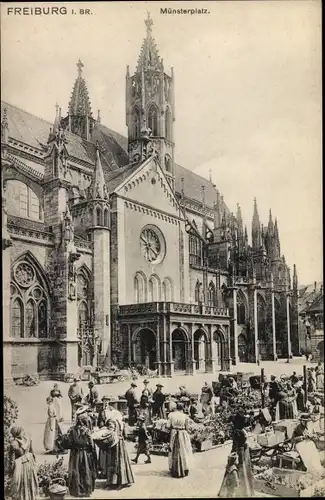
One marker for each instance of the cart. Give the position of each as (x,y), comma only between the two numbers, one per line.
(271,452)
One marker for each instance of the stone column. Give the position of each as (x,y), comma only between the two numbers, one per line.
(235,326)
(191,361)
(214,360)
(129,344)
(256,327)
(288,324)
(158,362)
(273,327)
(208,352)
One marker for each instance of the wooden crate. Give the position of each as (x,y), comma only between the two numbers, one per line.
(278,490)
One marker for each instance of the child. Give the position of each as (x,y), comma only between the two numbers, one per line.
(230,484)
(143,441)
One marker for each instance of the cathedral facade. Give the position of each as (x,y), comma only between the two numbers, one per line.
(114,254)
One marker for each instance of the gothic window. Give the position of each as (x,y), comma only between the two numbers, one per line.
(167,290)
(261,317)
(22,201)
(154,289)
(106,218)
(212,294)
(153,120)
(83,316)
(241,310)
(168,124)
(168,163)
(136,132)
(84,298)
(198,292)
(17,318)
(195,250)
(29,303)
(140,288)
(98,217)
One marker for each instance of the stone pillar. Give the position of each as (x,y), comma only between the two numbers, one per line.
(235,326)
(257,355)
(214,361)
(191,360)
(129,344)
(101,289)
(208,352)
(273,328)
(288,325)
(7,349)
(169,348)
(158,362)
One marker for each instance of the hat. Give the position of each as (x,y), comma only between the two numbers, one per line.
(142,418)
(146,381)
(133,384)
(83,409)
(106,398)
(159,385)
(91,383)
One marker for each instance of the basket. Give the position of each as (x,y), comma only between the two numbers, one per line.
(54,490)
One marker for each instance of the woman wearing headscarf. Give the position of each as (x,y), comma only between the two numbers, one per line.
(82,460)
(56,395)
(52,429)
(300,397)
(180,448)
(241,448)
(117,462)
(24,484)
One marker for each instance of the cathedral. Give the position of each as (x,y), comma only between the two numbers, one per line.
(113,254)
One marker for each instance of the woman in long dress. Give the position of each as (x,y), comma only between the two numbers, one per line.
(52,429)
(230,484)
(82,460)
(240,446)
(56,395)
(284,406)
(118,466)
(24,484)
(311,380)
(180,448)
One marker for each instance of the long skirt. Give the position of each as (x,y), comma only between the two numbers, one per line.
(245,474)
(118,466)
(284,411)
(133,416)
(180,455)
(82,472)
(58,408)
(51,433)
(24,479)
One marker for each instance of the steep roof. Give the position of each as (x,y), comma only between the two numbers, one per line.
(311,298)
(34,131)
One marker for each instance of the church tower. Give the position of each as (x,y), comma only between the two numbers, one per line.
(80,119)
(150,107)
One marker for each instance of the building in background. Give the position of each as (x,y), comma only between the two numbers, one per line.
(311,324)
(113,253)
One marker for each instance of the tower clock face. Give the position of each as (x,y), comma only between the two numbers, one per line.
(152,244)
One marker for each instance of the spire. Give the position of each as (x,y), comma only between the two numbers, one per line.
(98,116)
(56,120)
(98,188)
(217,212)
(270,225)
(239,220)
(4,127)
(295,278)
(149,57)
(80,103)
(276,238)
(256,229)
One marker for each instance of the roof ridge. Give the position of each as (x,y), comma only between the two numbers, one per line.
(6,103)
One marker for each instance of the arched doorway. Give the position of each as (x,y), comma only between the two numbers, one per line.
(179,349)
(219,348)
(144,348)
(242,348)
(200,349)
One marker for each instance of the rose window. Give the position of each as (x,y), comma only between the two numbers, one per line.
(152,244)
(24,274)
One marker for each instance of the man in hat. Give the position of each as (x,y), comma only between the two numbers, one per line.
(75,395)
(146,394)
(158,403)
(143,441)
(92,398)
(132,401)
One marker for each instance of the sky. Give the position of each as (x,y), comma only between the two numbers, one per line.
(248,94)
